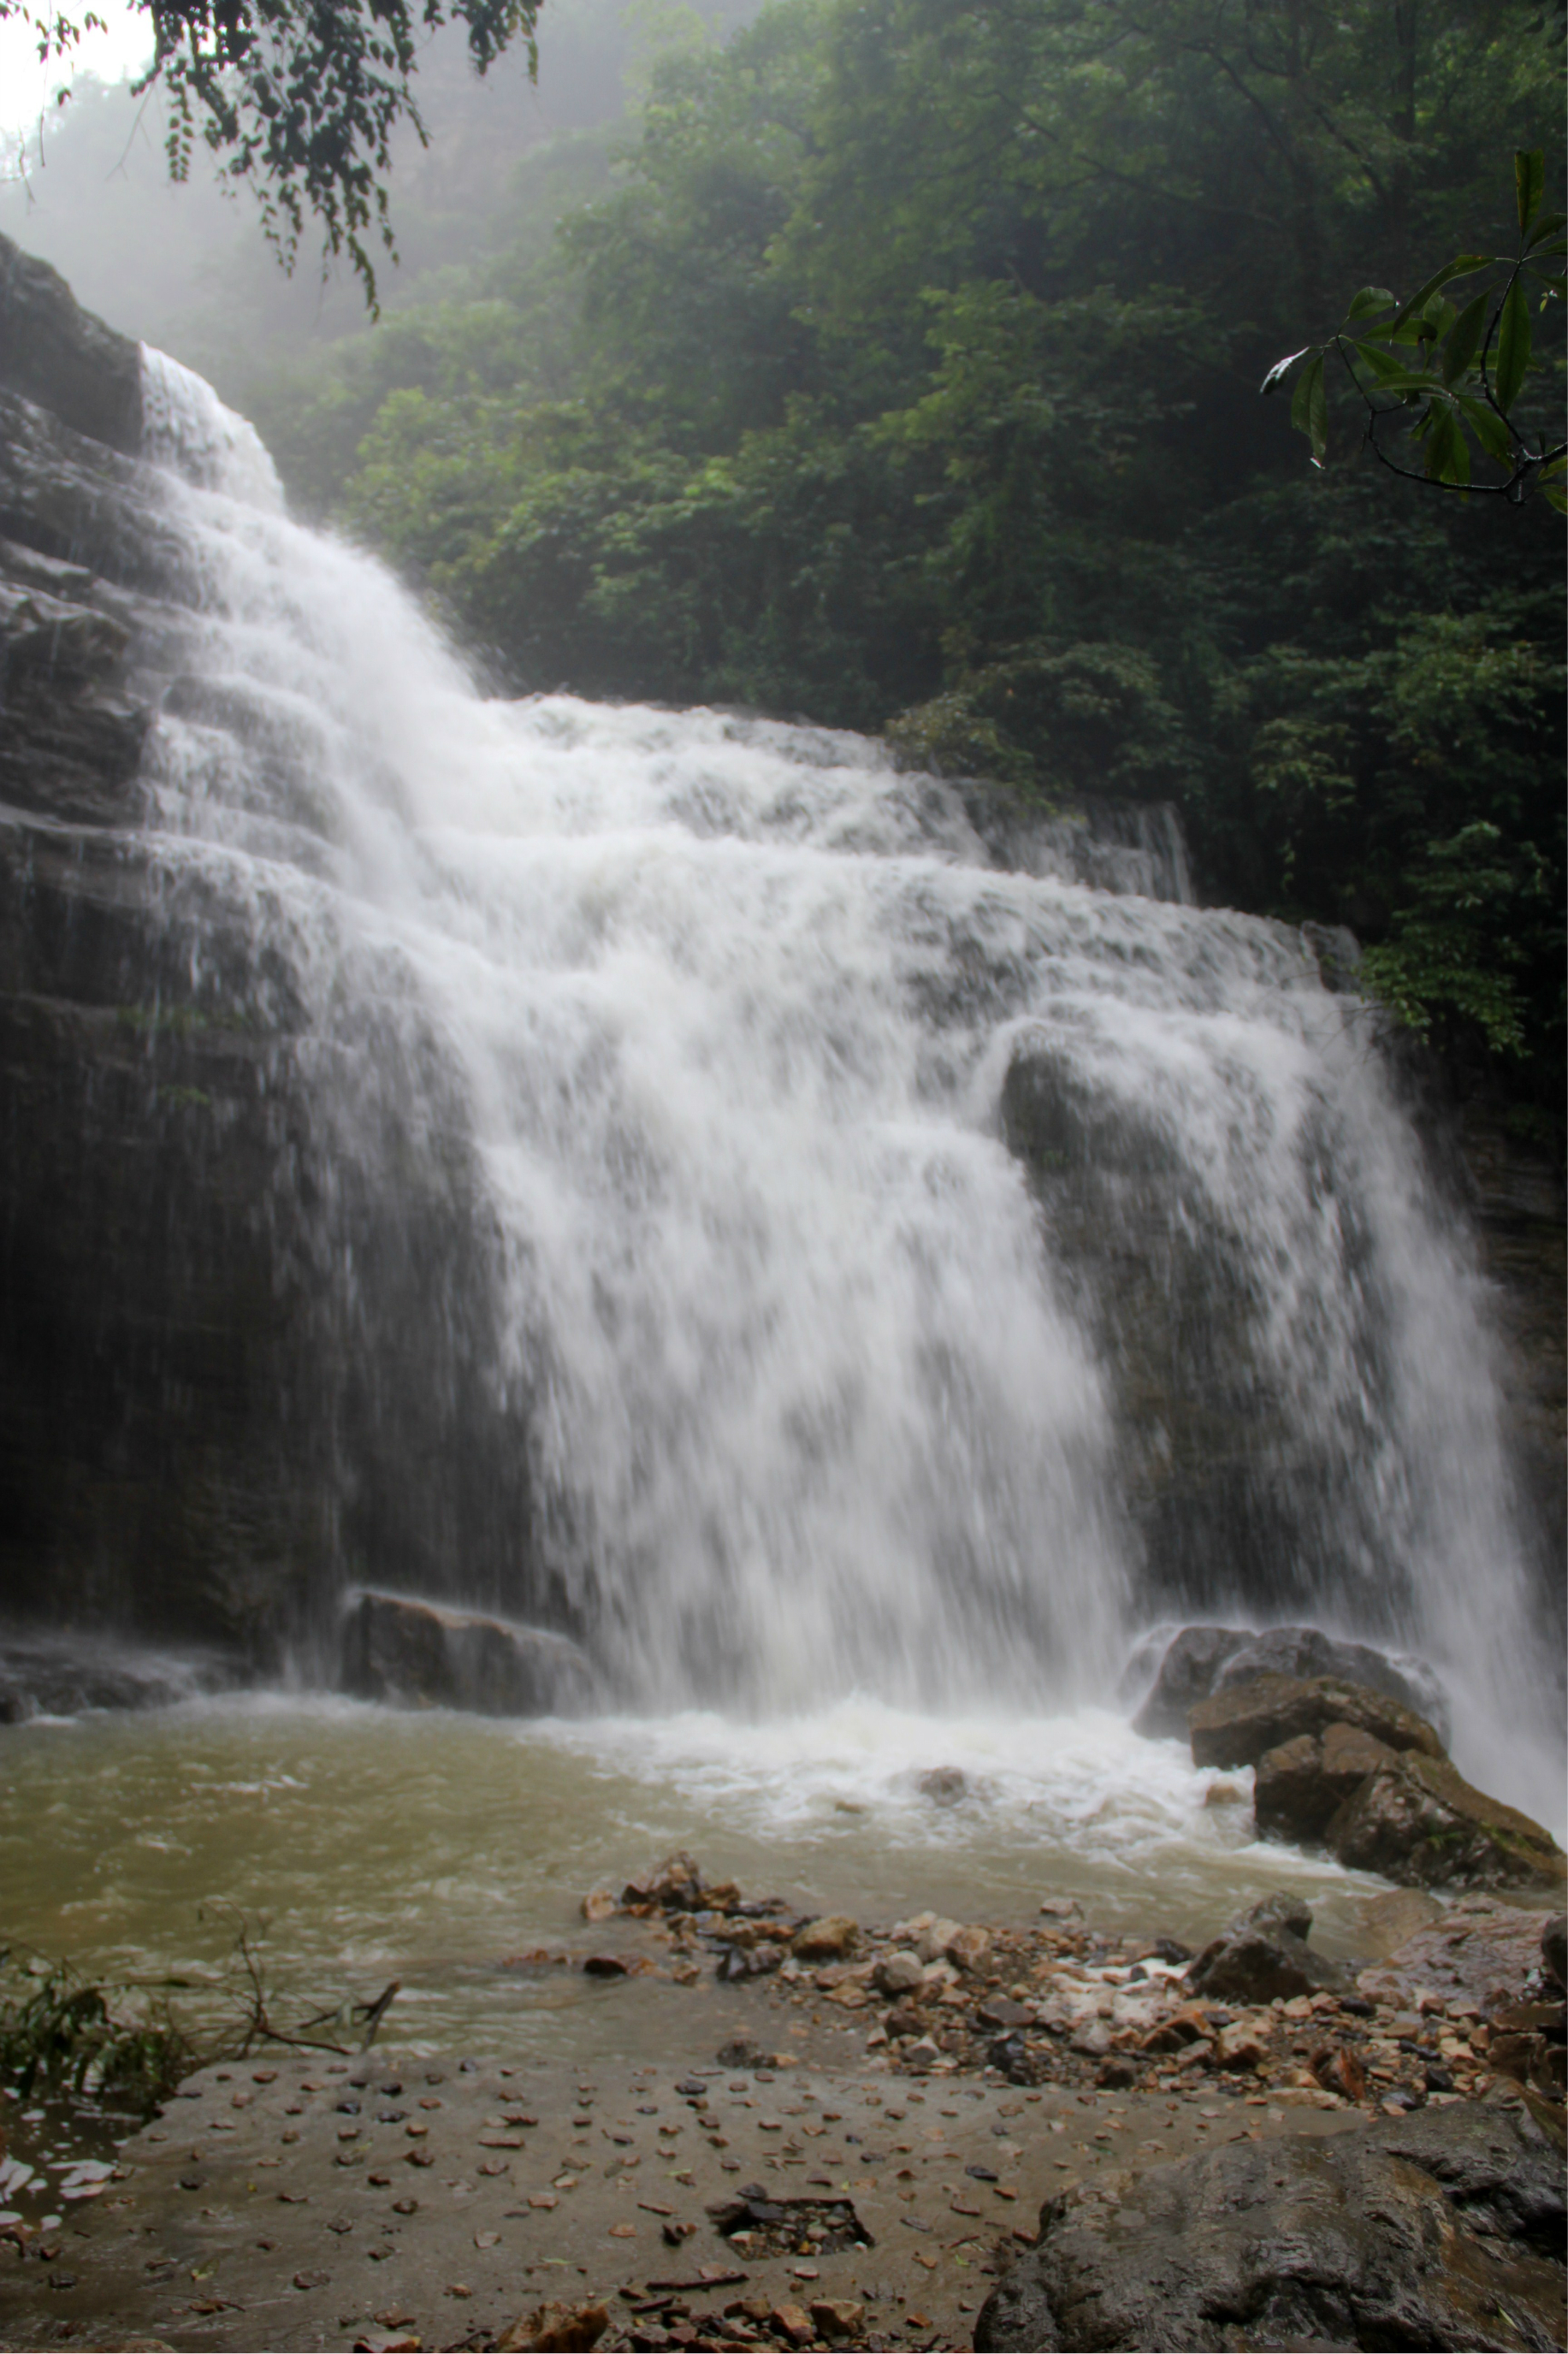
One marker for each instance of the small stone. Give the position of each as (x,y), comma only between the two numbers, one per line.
(606,1966)
(599,1905)
(838,2316)
(969,1949)
(830,1939)
(794,2323)
(898,1974)
(312,2280)
(1338,2070)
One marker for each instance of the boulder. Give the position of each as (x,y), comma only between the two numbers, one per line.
(1416,1819)
(827,1940)
(1306,1652)
(419,1655)
(1477,1951)
(1440,2230)
(1202,1661)
(1264,1953)
(59,356)
(1239,1726)
(1187,1674)
(1301,1785)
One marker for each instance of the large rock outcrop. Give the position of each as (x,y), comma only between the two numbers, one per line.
(1200,1661)
(1416,1818)
(1440,2230)
(204,1429)
(416,1655)
(1244,1721)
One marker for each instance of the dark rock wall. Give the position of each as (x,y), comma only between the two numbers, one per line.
(232,1377)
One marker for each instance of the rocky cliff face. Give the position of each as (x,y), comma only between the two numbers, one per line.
(202,1431)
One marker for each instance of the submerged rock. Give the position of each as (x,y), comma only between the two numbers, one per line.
(419,1655)
(1435,2230)
(1239,1726)
(1416,1818)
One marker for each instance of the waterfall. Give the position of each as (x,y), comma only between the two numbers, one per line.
(802,1139)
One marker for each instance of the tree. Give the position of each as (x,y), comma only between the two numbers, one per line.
(298,99)
(1455,375)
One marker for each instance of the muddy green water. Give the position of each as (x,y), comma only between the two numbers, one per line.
(362,1845)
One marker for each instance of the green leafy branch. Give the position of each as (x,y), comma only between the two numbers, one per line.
(1453,373)
(126,2044)
(299,97)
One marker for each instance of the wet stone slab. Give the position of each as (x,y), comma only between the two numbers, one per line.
(297,2204)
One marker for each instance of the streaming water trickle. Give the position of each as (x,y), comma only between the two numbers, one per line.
(714,1020)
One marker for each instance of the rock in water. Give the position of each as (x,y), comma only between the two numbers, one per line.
(1187,1674)
(1416,1819)
(1555,1949)
(1301,1785)
(1237,1726)
(416,1654)
(1306,1652)
(1366,2238)
(1202,1661)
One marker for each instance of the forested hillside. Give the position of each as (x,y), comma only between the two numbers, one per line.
(897,364)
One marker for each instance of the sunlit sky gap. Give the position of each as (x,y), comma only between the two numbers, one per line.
(28,90)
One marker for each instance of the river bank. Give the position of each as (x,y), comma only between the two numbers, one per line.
(303,2200)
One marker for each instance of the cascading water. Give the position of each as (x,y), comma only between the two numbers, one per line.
(801,1151)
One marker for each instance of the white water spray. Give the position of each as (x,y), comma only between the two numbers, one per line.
(721,1012)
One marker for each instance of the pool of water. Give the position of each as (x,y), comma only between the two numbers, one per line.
(361,1845)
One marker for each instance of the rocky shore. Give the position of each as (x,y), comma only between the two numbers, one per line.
(938,2134)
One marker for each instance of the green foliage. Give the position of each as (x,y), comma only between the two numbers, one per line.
(903,377)
(58,2033)
(1454,377)
(66,2036)
(299,103)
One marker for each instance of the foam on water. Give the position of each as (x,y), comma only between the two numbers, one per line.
(719,1013)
